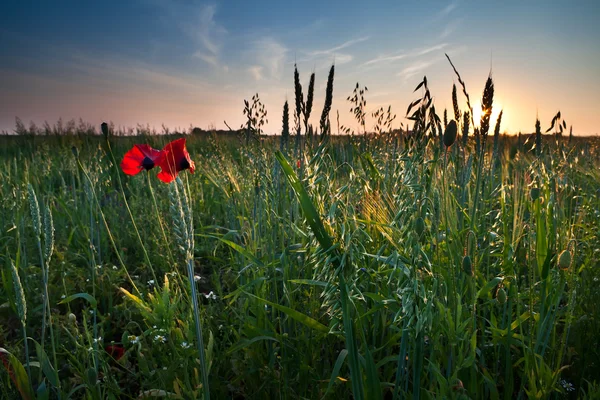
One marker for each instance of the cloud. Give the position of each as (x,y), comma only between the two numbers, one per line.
(257,72)
(449,8)
(208,58)
(385,58)
(427,50)
(119,72)
(414,69)
(207,34)
(415,53)
(324,58)
(269,58)
(336,49)
(208,29)
(419,66)
(450,28)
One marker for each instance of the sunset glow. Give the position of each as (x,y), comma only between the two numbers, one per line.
(200,60)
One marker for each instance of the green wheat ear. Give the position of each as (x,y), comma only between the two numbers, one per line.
(19,294)
(48,234)
(34,207)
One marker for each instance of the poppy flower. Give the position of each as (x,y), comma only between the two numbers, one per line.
(176,159)
(115,351)
(140,157)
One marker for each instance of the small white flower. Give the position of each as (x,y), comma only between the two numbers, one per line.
(99,339)
(92,312)
(115,267)
(154,327)
(134,339)
(568,386)
(164,368)
(99,266)
(210,295)
(186,345)
(63,296)
(197,278)
(87,280)
(151,282)
(160,338)
(91,349)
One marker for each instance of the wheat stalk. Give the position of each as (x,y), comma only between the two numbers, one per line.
(324,125)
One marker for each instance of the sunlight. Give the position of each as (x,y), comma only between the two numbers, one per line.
(494,117)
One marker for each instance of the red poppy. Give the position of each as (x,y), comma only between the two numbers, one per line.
(176,159)
(115,351)
(141,156)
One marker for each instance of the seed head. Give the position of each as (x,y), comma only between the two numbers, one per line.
(564,259)
(501,296)
(419,226)
(450,133)
(104,128)
(19,294)
(35,211)
(534,193)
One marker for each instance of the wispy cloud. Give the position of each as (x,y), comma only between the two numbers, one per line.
(386,58)
(207,33)
(449,8)
(336,49)
(443,13)
(415,53)
(325,57)
(430,49)
(257,72)
(450,28)
(413,69)
(269,57)
(419,65)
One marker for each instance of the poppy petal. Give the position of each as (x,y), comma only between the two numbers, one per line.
(176,158)
(155,155)
(132,161)
(167,177)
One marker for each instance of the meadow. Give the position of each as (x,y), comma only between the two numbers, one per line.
(447,261)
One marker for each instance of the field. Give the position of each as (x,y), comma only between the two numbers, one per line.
(421,264)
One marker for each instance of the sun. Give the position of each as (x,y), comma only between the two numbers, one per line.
(477,113)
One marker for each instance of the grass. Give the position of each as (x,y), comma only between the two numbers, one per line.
(371,266)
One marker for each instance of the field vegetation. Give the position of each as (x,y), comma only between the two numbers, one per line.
(441,260)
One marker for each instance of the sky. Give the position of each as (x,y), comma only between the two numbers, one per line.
(192,63)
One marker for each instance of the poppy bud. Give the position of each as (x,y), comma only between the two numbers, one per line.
(501,296)
(419,226)
(467,265)
(535,193)
(564,259)
(458,385)
(104,128)
(450,133)
(72,318)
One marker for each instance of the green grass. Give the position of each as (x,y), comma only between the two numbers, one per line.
(341,278)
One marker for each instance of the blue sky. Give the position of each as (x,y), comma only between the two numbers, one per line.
(193,62)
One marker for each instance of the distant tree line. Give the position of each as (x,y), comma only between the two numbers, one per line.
(82,128)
